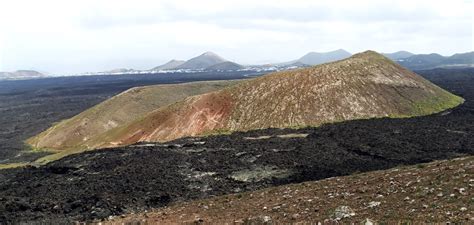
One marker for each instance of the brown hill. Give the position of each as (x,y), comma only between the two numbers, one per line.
(365,85)
(117,111)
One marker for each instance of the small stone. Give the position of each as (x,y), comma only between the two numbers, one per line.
(373,204)
(342,212)
(425,206)
(440,194)
(368,221)
(295,216)
(267,219)
(258,220)
(463,209)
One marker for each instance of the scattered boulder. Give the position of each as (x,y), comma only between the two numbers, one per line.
(259,220)
(373,204)
(342,212)
(368,221)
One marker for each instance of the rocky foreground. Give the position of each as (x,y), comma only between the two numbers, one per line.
(440,191)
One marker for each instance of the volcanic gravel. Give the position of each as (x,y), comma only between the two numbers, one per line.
(98,184)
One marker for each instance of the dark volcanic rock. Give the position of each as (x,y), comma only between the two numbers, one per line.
(97,184)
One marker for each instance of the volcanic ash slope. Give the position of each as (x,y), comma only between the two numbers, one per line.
(366,85)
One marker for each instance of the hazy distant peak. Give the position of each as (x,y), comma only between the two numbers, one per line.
(175,60)
(172,64)
(315,58)
(338,51)
(21,74)
(213,55)
(341,51)
(398,55)
(209,53)
(202,61)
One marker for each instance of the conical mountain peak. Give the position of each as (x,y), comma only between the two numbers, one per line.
(366,85)
(368,54)
(209,53)
(202,61)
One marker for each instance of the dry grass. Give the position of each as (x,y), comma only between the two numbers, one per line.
(12,165)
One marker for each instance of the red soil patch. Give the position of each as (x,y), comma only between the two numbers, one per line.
(194,116)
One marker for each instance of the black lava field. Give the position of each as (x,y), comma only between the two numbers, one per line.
(98,184)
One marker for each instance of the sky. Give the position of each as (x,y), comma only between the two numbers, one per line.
(66,37)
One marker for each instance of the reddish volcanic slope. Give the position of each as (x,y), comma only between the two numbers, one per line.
(367,85)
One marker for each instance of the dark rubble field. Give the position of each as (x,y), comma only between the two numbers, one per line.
(98,184)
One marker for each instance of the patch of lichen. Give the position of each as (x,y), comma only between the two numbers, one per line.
(436,103)
(30,148)
(12,165)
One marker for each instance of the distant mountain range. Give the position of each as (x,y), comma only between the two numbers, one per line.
(433,60)
(21,74)
(398,55)
(210,61)
(316,58)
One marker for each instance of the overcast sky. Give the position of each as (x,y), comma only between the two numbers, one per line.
(93,35)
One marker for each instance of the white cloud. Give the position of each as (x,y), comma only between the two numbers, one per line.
(75,36)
